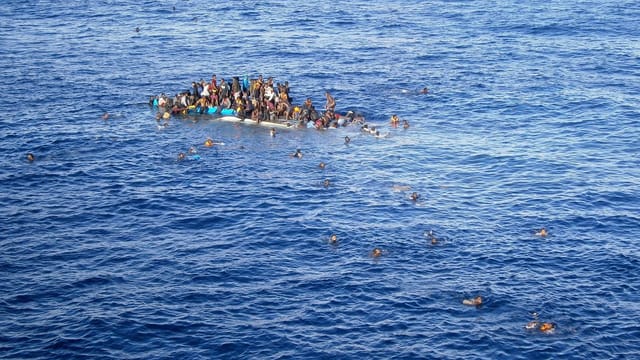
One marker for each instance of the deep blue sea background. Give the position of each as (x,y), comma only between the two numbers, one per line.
(111,249)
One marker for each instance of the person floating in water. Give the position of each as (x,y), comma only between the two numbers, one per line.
(30,157)
(333,239)
(181,156)
(476,301)
(322,165)
(272,132)
(297,154)
(405,124)
(347,139)
(395,121)
(535,324)
(208,143)
(326,183)
(376,252)
(432,237)
(415,196)
(542,232)
(424,90)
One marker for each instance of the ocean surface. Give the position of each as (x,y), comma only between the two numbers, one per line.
(112,249)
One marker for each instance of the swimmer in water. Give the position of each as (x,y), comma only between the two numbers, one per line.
(542,232)
(333,239)
(272,132)
(105,116)
(432,237)
(208,143)
(547,327)
(322,165)
(181,156)
(297,154)
(326,183)
(30,157)
(395,120)
(347,139)
(376,252)
(424,90)
(405,124)
(192,150)
(535,324)
(415,196)
(476,301)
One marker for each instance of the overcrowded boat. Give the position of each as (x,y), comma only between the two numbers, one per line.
(251,101)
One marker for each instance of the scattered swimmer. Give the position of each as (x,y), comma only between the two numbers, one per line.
(415,196)
(429,234)
(542,326)
(322,165)
(208,143)
(547,327)
(333,239)
(137,29)
(347,140)
(542,232)
(297,154)
(105,116)
(476,301)
(405,124)
(395,120)
(424,90)
(30,157)
(326,183)
(272,132)
(190,155)
(376,252)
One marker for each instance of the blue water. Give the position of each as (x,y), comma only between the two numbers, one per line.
(111,249)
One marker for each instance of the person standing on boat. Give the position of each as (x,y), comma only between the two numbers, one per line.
(214,82)
(331,103)
(257,86)
(223,89)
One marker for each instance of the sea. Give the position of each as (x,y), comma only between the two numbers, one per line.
(111,248)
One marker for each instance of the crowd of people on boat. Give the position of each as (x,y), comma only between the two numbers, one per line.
(257,99)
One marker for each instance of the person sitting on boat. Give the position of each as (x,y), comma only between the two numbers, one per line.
(202,105)
(225,103)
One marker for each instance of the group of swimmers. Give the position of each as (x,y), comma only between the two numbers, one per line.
(258,99)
